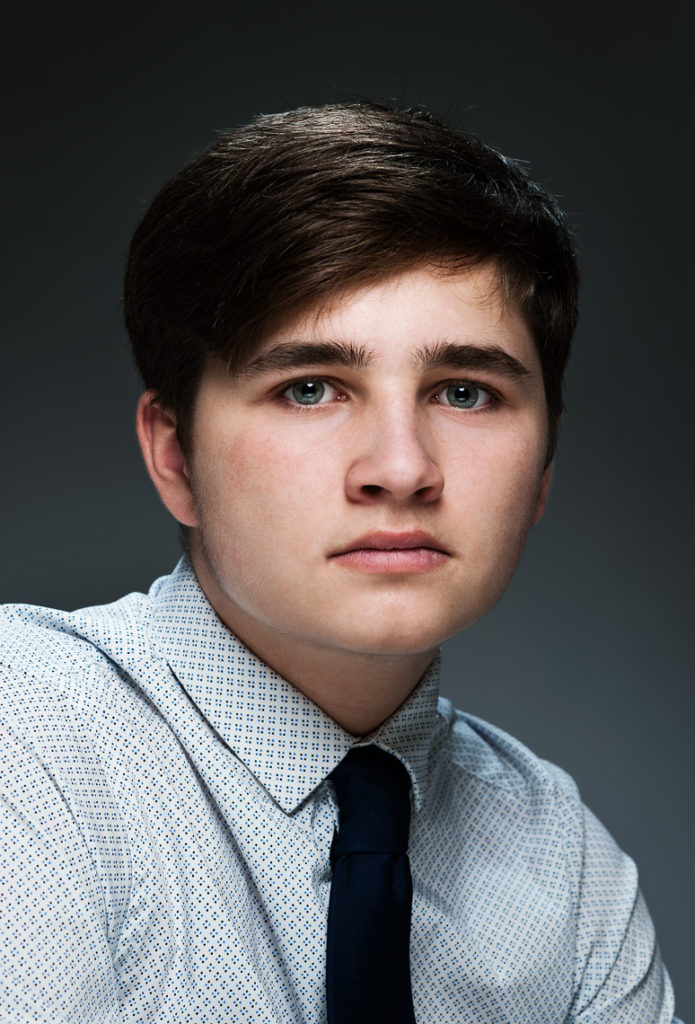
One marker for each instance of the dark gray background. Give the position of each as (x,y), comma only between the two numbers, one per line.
(586,658)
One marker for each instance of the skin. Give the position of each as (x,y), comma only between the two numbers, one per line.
(278,494)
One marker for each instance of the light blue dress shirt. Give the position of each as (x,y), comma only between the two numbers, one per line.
(165,828)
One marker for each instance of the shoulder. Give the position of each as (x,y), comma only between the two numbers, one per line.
(485,752)
(523,831)
(74,726)
(482,765)
(72,652)
(64,675)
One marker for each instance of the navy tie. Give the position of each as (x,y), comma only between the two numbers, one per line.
(367,952)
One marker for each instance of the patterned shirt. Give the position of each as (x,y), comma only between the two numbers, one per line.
(165,825)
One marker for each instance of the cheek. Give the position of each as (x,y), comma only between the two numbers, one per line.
(276,476)
(258,486)
(501,480)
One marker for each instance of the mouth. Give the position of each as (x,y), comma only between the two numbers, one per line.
(390,552)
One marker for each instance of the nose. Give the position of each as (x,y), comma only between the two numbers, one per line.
(394,460)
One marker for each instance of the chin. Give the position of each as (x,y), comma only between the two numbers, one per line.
(398,639)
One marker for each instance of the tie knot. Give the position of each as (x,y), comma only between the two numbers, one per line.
(373,792)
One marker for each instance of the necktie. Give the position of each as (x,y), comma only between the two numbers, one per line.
(367,952)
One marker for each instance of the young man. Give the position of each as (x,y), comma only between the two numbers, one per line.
(238,798)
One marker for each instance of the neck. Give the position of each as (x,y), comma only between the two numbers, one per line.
(358,691)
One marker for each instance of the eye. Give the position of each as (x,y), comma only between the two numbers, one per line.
(309,391)
(463,395)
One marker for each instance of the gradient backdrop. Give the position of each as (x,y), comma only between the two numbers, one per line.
(588,657)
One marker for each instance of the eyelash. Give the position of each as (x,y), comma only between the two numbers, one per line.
(494,398)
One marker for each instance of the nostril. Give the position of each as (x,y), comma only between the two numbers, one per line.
(371,489)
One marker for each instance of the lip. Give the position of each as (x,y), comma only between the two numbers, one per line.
(386,552)
(387,540)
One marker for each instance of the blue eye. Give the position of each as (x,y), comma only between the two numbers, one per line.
(464,396)
(307,392)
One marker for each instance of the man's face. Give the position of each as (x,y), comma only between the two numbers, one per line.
(367,483)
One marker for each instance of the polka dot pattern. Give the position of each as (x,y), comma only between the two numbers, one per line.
(166,820)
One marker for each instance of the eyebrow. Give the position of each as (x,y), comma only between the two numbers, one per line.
(470,357)
(290,355)
(445,354)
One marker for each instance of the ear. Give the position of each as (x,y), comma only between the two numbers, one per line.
(164,458)
(543,490)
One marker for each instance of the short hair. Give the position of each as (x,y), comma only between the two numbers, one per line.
(287,212)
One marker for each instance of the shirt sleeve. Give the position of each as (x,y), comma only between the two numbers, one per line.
(55,962)
(620,978)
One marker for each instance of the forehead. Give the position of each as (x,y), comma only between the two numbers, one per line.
(404,313)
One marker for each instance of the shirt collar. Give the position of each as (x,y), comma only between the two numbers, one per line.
(283,738)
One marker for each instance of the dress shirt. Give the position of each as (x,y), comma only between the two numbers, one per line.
(167,820)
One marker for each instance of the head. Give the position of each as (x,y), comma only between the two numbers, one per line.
(286,213)
(352,323)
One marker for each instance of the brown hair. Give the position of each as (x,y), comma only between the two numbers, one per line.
(292,209)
